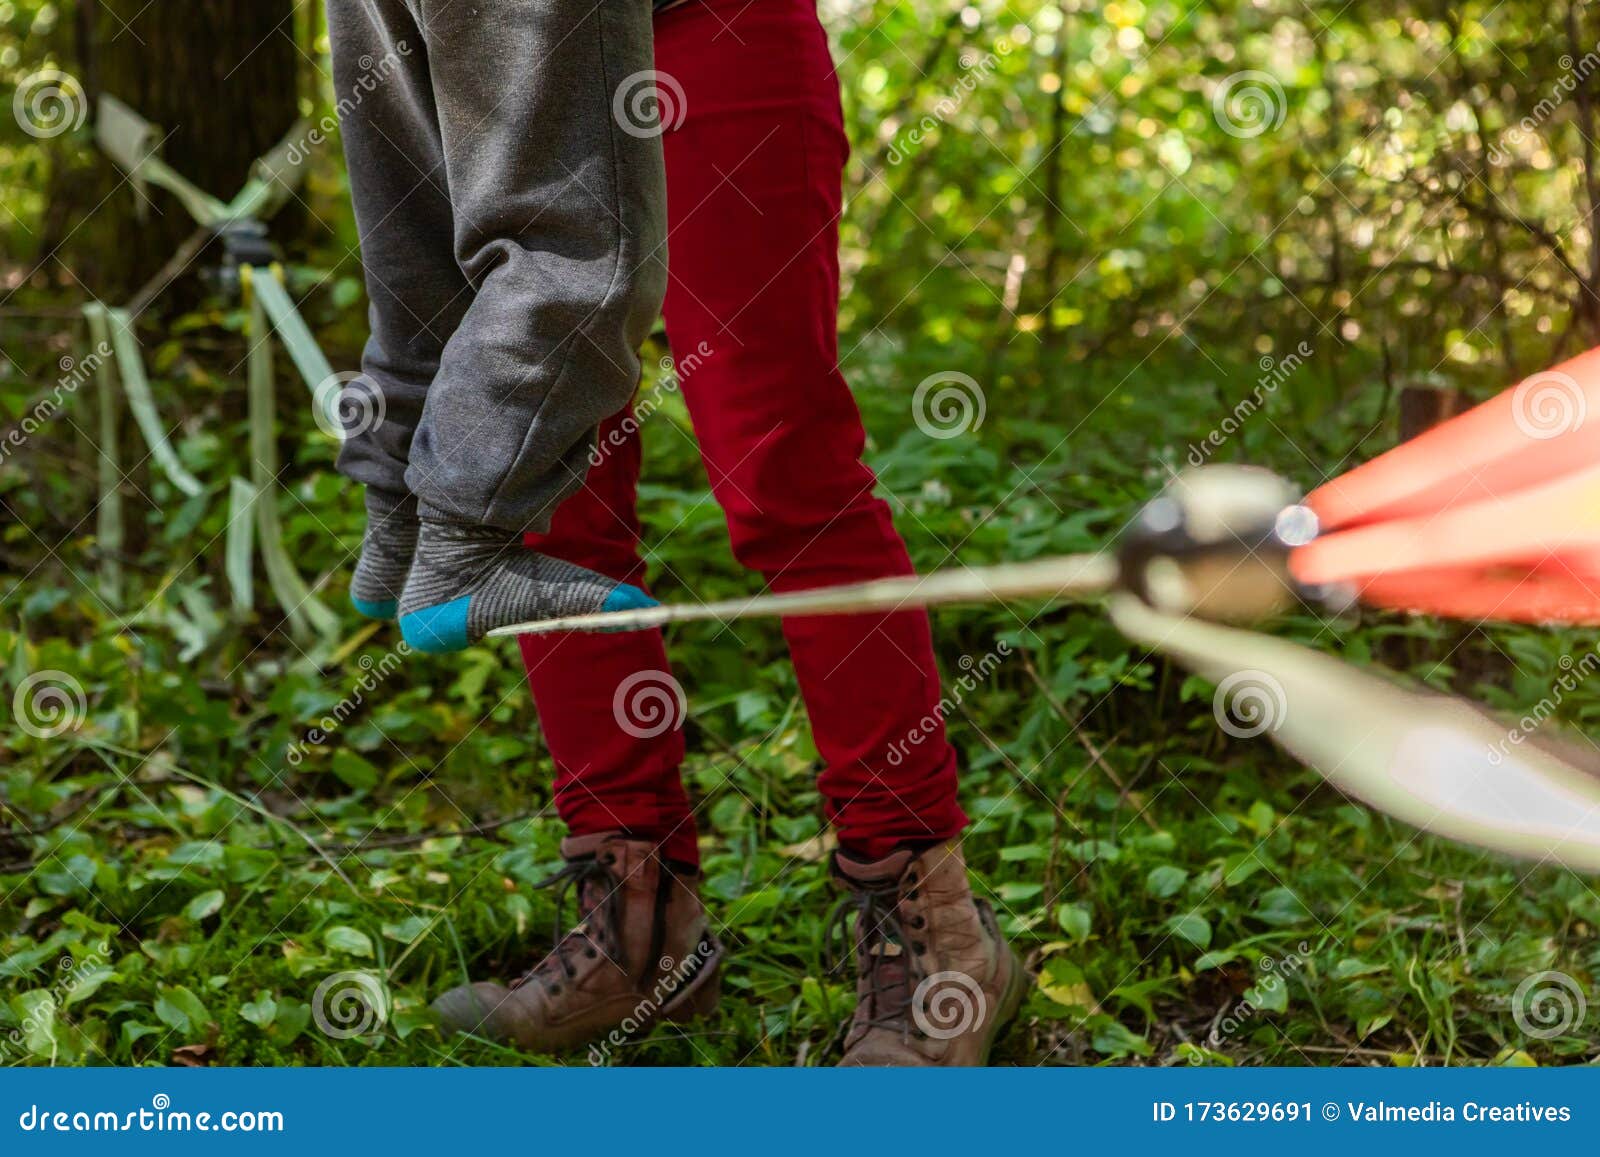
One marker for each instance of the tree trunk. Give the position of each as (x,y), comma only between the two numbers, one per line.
(219,78)
(1055,183)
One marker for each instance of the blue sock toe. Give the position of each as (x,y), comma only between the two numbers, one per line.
(384,609)
(627,598)
(437,629)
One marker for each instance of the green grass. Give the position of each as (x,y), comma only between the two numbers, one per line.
(175,888)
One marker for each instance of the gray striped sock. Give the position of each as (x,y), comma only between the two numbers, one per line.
(466,580)
(386,551)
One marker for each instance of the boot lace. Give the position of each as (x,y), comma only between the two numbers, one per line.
(891,978)
(599,913)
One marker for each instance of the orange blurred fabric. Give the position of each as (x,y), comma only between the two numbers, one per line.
(1494,514)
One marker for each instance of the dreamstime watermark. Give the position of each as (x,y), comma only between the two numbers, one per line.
(373,674)
(1249,103)
(649,103)
(1574,74)
(1548,405)
(1274,972)
(374,72)
(948,404)
(945,1005)
(673,371)
(1548,1004)
(973,673)
(350,1004)
(48,103)
(649,703)
(348,404)
(160,1117)
(1573,674)
(1248,703)
(976,69)
(49,703)
(673,976)
(72,974)
(74,373)
(1274,372)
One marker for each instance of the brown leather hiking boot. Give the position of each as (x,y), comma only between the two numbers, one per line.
(935,982)
(640,952)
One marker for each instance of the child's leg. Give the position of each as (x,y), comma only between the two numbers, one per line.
(511,234)
(418,293)
(558,229)
(548,254)
(754,193)
(603,700)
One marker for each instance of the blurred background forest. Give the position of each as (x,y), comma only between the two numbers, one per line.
(1150,232)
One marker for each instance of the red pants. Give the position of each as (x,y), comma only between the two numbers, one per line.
(753,178)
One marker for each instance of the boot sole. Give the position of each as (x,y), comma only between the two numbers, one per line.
(1010,1003)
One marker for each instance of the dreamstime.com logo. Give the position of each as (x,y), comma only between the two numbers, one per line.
(350,1004)
(49,703)
(1548,1004)
(947,1004)
(649,703)
(1248,703)
(48,103)
(1548,405)
(160,1117)
(948,404)
(649,103)
(1249,103)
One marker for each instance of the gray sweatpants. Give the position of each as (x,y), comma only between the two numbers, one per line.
(513,237)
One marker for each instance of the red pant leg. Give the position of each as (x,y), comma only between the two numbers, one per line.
(616,759)
(753,182)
